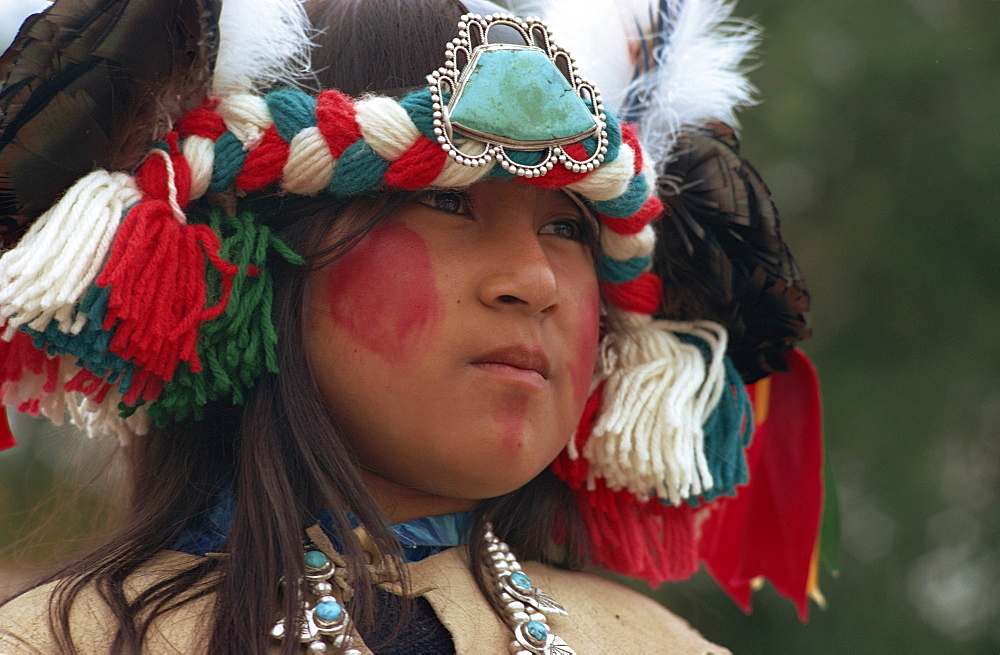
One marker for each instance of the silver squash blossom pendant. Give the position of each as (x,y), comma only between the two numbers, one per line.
(524,604)
(323,622)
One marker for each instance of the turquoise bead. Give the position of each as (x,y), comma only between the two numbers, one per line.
(537,631)
(329,611)
(519,95)
(315,559)
(521,581)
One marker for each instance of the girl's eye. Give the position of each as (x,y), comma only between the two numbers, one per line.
(451,202)
(574,229)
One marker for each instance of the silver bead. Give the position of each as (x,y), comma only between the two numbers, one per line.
(317,647)
(322,588)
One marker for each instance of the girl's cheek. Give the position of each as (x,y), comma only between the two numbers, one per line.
(383,294)
(582,368)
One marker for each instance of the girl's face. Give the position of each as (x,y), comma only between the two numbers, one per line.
(455,344)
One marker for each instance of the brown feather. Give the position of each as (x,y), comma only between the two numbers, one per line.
(90,84)
(721,255)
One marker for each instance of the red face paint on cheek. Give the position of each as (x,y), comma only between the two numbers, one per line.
(382,292)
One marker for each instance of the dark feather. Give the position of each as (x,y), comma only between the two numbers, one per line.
(90,84)
(721,255)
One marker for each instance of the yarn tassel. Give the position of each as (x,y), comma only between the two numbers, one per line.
(46,275)
(659,392)
(156,273)
(238,347)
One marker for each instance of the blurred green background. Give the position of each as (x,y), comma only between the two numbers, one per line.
(878,136)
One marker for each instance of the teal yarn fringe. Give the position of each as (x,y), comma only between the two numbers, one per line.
(238,347)
(727,431)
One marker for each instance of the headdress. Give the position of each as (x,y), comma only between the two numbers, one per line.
(121,306)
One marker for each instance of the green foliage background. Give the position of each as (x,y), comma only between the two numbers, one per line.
(878,136)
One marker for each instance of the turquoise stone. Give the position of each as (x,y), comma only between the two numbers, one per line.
(329,611)
(520,96)
(537,631)
(521,581)
(315,559)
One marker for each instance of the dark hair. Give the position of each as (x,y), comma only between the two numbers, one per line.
(280,453)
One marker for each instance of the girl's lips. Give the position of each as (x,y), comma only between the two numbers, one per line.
(516,363)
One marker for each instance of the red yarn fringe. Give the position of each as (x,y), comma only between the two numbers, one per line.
(156,272)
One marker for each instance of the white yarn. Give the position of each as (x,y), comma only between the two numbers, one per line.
(247,117)
(47,274)
(455,175)
(626,246)
(700,76)
(310,165)
(386,126)
(101,420)
(261,43)
(199,152)
(175,207)
(610,180)
(658,393)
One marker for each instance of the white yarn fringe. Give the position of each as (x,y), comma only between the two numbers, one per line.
(261,43)
(658,393)
(47,274)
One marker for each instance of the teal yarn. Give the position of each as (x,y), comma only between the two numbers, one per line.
(626,204)
(727,434)
(239,346)
(420,108)
(292,111)
(358,170)
(727,430)
(91,346)
(618,271)
(229,158)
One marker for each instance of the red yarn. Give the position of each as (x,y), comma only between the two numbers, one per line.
(631,137)
(264,164)
(640,539)
(90,385)
(154,181)
(561,176)
(144,387)
(201,122)
(337,121)
(156,272)
(639,296)
(6,436)
(18,356)
(574,471)
(418,166)
(650,211)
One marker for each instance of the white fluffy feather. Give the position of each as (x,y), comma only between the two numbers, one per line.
(261,43)
(700,73)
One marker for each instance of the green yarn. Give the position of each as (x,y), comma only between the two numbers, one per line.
(229,158)
(238,347)
(292,111)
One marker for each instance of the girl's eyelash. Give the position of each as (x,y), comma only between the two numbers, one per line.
(431,198)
